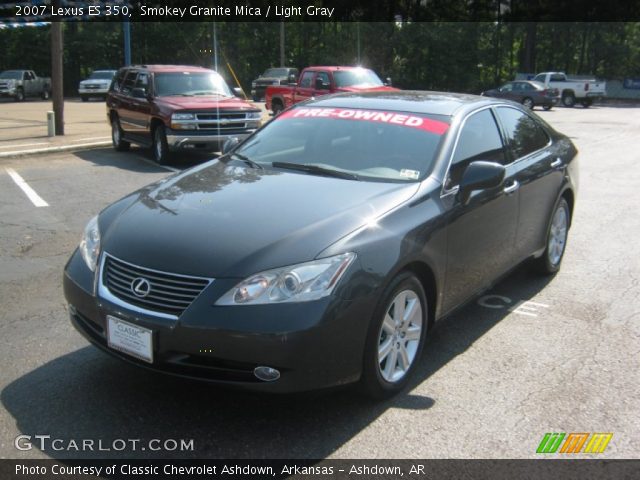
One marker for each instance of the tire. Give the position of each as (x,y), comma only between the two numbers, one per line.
(116,136)
(547,107)
(84,98)
(568,100)
(556,240)
(276,108)
(528,102)
(384,373)
(45,95)
(160,147)
(19,95)
(587,102)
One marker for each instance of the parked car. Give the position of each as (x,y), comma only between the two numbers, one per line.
(272,76)
(530,94)
(316,81)
(97,85)
(573,90)
(21,84)
(173,107)
(321,250)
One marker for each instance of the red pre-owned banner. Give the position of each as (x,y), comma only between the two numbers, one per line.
(395,118)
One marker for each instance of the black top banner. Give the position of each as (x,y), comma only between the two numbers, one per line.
(322,10)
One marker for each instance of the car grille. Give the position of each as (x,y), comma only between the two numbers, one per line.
(222,121)
(169,293)
(92,86)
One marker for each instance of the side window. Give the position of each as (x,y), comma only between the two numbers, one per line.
(142,81)
(479,140)
(557,78)
(129,82)
(539,78)
(324,76)
(307,78)
(507,87)
(118,80)
(524,135)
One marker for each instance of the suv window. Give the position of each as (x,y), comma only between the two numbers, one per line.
(306,79)
(143,81)
(479,140)
(129,82)
(524,135)
(117,81)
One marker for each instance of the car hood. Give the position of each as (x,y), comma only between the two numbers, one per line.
(225,221)
(366,89)
(204,102)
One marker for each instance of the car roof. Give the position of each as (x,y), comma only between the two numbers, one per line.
(435,103)
(335,68)
(170,68)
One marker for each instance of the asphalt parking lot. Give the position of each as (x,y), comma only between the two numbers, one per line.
(494,378)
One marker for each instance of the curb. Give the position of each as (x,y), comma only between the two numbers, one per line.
(61,148)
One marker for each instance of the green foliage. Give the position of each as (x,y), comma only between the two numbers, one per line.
(452,56)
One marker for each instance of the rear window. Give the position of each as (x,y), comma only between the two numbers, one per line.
(373,144)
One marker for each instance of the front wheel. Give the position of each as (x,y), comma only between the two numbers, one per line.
(19,95)
(547,107)
(161,153)
(395,338)
(558,230)
(45,94)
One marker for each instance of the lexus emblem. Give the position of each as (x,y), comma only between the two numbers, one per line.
(140,287)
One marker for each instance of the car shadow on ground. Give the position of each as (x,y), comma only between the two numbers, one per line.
(88,395)
(139,159)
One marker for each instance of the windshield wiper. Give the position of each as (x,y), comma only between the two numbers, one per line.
(317,169)
(247,160)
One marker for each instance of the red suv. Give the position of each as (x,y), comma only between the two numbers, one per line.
(174,107)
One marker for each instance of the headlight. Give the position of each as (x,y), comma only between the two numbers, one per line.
(182,116)
(253,84)
(90,244)
(296,283)
(254,115)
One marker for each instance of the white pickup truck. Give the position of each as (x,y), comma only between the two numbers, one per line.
(572,90)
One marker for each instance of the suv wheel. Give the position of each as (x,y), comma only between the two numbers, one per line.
(161,153)
(116,136)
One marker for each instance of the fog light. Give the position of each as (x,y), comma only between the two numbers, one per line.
(266,374)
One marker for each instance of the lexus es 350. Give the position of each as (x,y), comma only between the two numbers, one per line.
(321,250)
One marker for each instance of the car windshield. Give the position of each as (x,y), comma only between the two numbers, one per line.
(275,72)
(358,77)
(12,74)
(369,145)
(102,75)
(190,83)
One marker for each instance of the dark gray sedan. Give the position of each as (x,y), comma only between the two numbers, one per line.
(528,93)
(322,249)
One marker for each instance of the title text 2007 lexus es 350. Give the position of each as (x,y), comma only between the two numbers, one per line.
(320,250)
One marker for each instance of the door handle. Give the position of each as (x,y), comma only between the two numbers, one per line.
(556,163)
(512,188)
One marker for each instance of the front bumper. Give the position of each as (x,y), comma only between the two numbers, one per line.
(93,91)
(312,344)
(8,93)
(179,140)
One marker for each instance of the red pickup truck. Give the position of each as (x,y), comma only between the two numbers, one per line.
(316,81)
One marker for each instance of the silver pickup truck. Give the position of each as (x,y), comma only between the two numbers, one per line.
(20,84)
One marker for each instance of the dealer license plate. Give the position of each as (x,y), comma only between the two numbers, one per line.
(130,339)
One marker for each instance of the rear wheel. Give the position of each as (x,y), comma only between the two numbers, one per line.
(161,153)
(395,338)
(527,102)
(116,136)
(568,100)
(558,230)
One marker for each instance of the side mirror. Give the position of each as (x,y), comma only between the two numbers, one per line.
(229,144)
(388,82)
(139,93)
(237,91)
(480,175)
(292,78)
